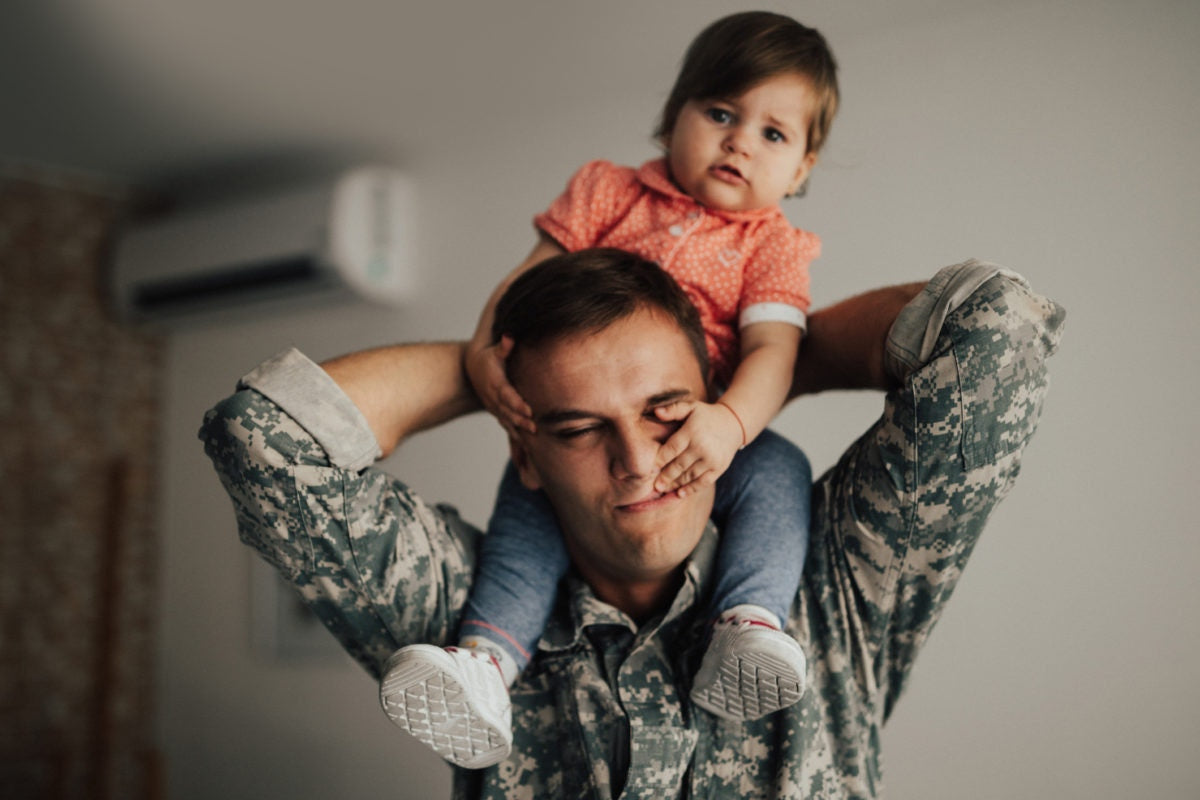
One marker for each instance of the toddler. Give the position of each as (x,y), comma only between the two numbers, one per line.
(741,130)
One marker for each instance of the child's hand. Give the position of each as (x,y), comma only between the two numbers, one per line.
(485,368)
(701,450)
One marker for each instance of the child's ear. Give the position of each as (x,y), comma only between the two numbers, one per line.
(810,160)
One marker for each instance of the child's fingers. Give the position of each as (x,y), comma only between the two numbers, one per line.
(672,448)
(668,478)
(513,423)
(517,411)
(512,400)
(508,427)
(675,411)
(680,471)
(687,479)
(706,478)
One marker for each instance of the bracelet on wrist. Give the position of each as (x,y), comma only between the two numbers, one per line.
(739,421)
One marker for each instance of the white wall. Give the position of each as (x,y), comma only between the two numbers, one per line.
(1056,138)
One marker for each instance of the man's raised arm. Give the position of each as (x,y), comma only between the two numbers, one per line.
(898,516)
(403,389)
(845,343)
(293,447)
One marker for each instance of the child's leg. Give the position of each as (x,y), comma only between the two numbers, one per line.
(456,699)
(752,667)
(521,561)
(762,509)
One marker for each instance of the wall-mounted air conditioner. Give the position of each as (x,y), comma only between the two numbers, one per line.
(348,237)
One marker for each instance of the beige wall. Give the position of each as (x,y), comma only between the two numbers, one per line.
(1058,139)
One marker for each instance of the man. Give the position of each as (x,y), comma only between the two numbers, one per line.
(602,710)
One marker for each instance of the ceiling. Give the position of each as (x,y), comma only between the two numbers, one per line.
(147,92)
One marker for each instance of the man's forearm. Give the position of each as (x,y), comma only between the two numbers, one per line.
(844,346)
(403,389)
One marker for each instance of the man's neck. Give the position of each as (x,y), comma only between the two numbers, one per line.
(642,599)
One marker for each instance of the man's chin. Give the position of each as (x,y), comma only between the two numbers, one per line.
(657,549)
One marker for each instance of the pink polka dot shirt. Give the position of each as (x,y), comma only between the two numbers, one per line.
(738,267)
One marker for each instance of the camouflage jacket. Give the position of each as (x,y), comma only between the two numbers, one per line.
(602,711)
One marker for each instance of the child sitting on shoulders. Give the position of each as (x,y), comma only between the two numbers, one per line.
(741,129)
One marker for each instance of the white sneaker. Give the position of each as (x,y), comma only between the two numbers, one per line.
(750,669)
(453,700)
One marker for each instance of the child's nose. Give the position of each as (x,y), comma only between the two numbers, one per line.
(736,141)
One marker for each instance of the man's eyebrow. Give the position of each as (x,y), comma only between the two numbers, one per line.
(562,415)
(559,415)
(669,396)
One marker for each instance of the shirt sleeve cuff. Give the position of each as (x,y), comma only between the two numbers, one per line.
(309,396)
(545,225)
(773,312)
(915,332)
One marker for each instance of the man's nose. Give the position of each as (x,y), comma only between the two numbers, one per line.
(634,454)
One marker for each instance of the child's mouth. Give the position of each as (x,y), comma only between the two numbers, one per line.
(728,173)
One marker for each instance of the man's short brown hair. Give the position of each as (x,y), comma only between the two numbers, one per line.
(586,291)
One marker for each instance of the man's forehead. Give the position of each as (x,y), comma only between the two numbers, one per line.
(634,361)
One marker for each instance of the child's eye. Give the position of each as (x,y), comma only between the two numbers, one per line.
(719,115)
(774,135)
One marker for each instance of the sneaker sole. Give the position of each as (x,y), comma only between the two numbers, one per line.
(751,685)
(422,694)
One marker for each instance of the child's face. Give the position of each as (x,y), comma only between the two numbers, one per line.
(744,152)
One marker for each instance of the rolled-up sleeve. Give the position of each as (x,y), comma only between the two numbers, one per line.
(899,515)
(378,565)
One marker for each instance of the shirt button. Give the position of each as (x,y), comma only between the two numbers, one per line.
(675,230)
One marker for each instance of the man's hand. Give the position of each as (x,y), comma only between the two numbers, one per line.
(485,366)
(405,388)
(846,341)
(701,450)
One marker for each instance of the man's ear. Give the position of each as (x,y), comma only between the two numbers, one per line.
(519,454)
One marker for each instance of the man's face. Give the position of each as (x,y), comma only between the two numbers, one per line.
(594,398)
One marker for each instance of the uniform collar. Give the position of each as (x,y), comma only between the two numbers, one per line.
(655,177)
(584,610)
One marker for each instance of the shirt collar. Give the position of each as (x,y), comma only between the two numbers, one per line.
(655,177)
(583,609)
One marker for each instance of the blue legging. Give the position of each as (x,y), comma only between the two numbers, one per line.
(761,508)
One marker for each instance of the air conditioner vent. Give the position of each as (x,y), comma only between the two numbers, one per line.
(238,284)
(350,237)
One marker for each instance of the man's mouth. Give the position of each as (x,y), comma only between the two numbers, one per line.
(648,502)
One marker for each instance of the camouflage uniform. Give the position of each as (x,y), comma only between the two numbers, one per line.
(602,710)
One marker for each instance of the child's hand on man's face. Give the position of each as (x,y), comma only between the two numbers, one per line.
(701,450)
(485,367)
